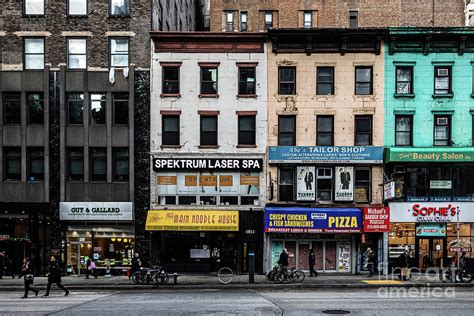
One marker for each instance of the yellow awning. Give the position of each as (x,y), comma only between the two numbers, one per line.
(192,220)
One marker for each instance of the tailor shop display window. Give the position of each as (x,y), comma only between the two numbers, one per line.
(207,188)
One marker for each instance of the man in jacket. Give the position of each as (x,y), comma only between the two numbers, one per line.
(312,262)
(54,276)
(283,260)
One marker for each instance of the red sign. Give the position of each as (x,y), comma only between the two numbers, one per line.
(460,249)
(376,219)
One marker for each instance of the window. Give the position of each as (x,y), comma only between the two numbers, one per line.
(287,80)
(33,7)
(286,184)
(308,19)
(229,18)
(35,107)
(120,164)
(403,130)
(77,7)
(363,81)
(246,80)
(76,53)
(404,80)
(243,22)
(170,132)
(442,130)
(35,170)
(286,131)
(98,102)
(324,184)
(34,53)
(325,79)
(75,108)
(208,80)
(353,19)
(442,80)
(75,163)
(120,105)
(12,163)
(11,108)
(208,130)
(325,130)
(363,130)
(268,20)
(98,165)
(170,80)
(120,7)
(119,52)
(362,184)
(246,130)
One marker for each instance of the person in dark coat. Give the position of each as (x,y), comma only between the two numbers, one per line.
(312,262)
(283,260)
(136,264)
(371,262)
(27,274)
(54,276)
(2,264)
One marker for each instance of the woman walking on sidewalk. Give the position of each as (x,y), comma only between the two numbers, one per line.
(54,276)
(27,274)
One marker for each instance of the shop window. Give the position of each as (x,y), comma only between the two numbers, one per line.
(229,200)
(401,235)
(167,200)
(120,7)
(249,200)
(442,130)
(209,130)
(463,186)
(268,20)
(75,164)
(120,164)
(325,130)
(77,7)
(246,80)
(75,108)
(208,200)
(11,108)
(120,108)
(229,21)
(246,130)
(416,183)
(404,77)
(403,130)
(353,19)
(287,80)
(286,184)
(97,109)
(363,130)
(362,184)
(324,184)
(243,21)
(98,164)
(363,80)
(307,19)
(187,200)
(34,53)
(170,84)
(442,80)
(33,7)
(209,80)
(170,132)
(35,171)
(77,53)
(440,184)
(119,52)
(325,81)
(12,163)
(286,130)
(35,107)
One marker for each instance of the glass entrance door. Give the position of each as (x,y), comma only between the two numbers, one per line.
(431,253)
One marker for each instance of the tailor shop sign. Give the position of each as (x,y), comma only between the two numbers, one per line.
(326,154)
(431,212)
(313,220)
(96,211)
(164,164)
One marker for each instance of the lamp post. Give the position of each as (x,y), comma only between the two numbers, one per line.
(457,236)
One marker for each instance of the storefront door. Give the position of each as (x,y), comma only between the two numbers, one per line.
(303,256)
(431,253)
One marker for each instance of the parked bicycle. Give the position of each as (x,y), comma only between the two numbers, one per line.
(154,275)
(465,274)
(281,274)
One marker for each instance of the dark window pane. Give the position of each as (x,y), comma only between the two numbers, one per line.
(208,80)
(98,102)
(325,81)
(76,164)
(120,103)
(286,131)
(35,105)
(12,108)
(363,81)
(246,130)
(287,80)
(246,80)
(170,130)
(362,185)
(98,165)
(12,163)
(75,108)
(170,80)
(121,164)
(363,130)
(324,131)
(285,188)
(208,130)
(35,164)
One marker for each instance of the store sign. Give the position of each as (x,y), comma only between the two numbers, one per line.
(192,220)
(312,220)
(164,164)
(389,190)
(305,183)
(430,155)
(96,211)
(326,154)
(414,212)
(460,245)
(440,184)
(430,230)
(344,184)
(376,219)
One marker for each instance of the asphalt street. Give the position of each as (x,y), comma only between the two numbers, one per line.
(243,302)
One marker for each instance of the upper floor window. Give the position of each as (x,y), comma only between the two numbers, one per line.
(34,53)
(243,21)
(119,52)
(35,108)
(353,19)
(75,164)
(363,181)
(97,108)
(287,80)
(324,184)
(308,19)
(404,80)
(209,80)
(442,130)
(75,108)
(98,165)
(209,130)
(170,130)
(246,80)
(120,7)
(403,130)
(170,77)
(325,130)
(286,130)
(120,108)
(363,130)
(246,130)
(229,21)
(12,163)
(77,7)
(363,78)
(268,20)
(325,81)
(120,164)
(35,164)
(76,53)
(11,108)
(33,7)
(286,184)
(442,80)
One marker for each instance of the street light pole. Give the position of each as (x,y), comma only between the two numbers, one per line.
(457,236)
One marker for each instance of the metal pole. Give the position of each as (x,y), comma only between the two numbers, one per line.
(457,236)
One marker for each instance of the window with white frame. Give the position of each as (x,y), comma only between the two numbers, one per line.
(77,7)
(119,52)
(229,21)
(34,53)
(324,184)
(243,22)
(268,20)
(120,7)
(33,7)
(308,19)
(77,53)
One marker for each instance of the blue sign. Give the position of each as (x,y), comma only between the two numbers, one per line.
(312,220)
(431,230)
(326,154)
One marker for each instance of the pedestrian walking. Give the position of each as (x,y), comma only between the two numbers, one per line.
(283,260)
(91,268)
(136,264)
(2,264)
(370,262)
(54,276)
(312,262)
(27,274)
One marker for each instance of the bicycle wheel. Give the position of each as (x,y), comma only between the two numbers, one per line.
(445,275)
(298,276)
(136,276)
(466,277)
(279,277)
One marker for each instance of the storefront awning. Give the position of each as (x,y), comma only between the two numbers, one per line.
(430,154)
(192,220)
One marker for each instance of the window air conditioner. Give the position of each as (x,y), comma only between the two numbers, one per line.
(443,72)
(442,121)
(399,169)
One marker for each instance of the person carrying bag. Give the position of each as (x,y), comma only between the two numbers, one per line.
(27,274)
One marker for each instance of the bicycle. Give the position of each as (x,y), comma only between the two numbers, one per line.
(285,275)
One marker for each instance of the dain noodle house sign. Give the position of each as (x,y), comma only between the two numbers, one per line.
(193,220)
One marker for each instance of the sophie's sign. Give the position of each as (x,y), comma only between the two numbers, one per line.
(162,164)
(96,211)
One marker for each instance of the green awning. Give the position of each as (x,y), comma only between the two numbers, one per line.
(430,154)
